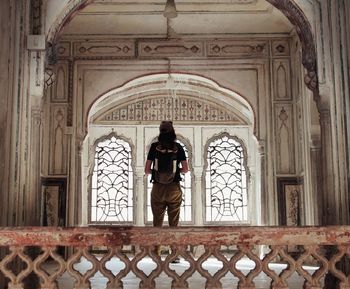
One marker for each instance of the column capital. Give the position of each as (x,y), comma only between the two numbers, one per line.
(198,171)
(36,42)
(261,147)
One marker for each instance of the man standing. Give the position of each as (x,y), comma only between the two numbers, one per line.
(166,155)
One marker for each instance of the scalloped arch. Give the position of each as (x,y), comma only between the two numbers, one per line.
(154,87)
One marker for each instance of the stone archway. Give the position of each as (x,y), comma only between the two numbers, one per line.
(288,7)
(127,111)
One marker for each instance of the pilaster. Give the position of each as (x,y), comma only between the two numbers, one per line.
(264,198)
(328,211)
(198,197)
(139,196)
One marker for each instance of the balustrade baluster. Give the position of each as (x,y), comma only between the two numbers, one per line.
(311,244)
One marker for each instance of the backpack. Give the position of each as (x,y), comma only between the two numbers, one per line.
(165,164)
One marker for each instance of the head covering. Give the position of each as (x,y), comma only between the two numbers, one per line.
(166,126)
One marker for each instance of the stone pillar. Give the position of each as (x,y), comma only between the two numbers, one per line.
(33,196)
(77,194)
(10,34)
(8,116)
(329,214)
(36,47)
(264,198)
(139,200)
(316,179)
(198,198)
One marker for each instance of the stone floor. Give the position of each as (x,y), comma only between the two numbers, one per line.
(195,282)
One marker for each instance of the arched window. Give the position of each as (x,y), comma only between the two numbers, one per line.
(112,182)
(186,205)
(226,181)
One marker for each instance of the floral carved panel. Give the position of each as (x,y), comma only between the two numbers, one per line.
(177,109)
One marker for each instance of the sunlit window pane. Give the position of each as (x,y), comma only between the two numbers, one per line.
(112,182)
(226,182)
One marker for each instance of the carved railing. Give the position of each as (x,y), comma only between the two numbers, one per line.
(26,253)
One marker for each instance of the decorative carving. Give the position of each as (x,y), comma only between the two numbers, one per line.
(179,109)
(71,9)
(58,145)
(51,53)
(289,194)
(60,89)
(280,48)
(281,91)
(63,49)
(282,79)
(36,16)
(170,48)
(284,137)
(303,29)
(109,49)
(54,192)
(237,48)
(49,77)
(288,7)
(70,94)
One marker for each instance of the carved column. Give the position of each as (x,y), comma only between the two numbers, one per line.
(198,198)
(36,47)
(139,198)
(316,179)
(329,215)
(33,196)
(264,200)
(77,193)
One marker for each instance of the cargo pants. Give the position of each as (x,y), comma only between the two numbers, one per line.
(166,197)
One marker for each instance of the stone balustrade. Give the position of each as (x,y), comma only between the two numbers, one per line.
(26,251)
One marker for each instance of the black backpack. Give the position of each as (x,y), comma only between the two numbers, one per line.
(165,164)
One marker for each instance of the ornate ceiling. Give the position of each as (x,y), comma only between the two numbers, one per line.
(130,18)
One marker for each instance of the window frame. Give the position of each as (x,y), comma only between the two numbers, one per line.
(90,176)
(204,188)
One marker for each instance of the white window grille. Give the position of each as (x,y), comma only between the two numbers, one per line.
(112,183)
(226,181)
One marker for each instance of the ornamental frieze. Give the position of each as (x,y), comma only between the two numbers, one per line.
(170,48)
(106,49)
(237,48)
(177,109)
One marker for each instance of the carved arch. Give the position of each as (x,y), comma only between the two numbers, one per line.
(288,7)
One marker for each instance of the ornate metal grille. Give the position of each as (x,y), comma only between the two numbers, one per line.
(226,182)
(112,182)
(186,206)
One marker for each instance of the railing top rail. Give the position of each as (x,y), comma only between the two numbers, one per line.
(213,235)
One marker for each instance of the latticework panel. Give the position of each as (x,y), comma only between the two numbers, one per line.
(315,255)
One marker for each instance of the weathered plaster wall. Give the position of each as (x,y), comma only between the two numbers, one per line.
(9,33)
(258,70)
